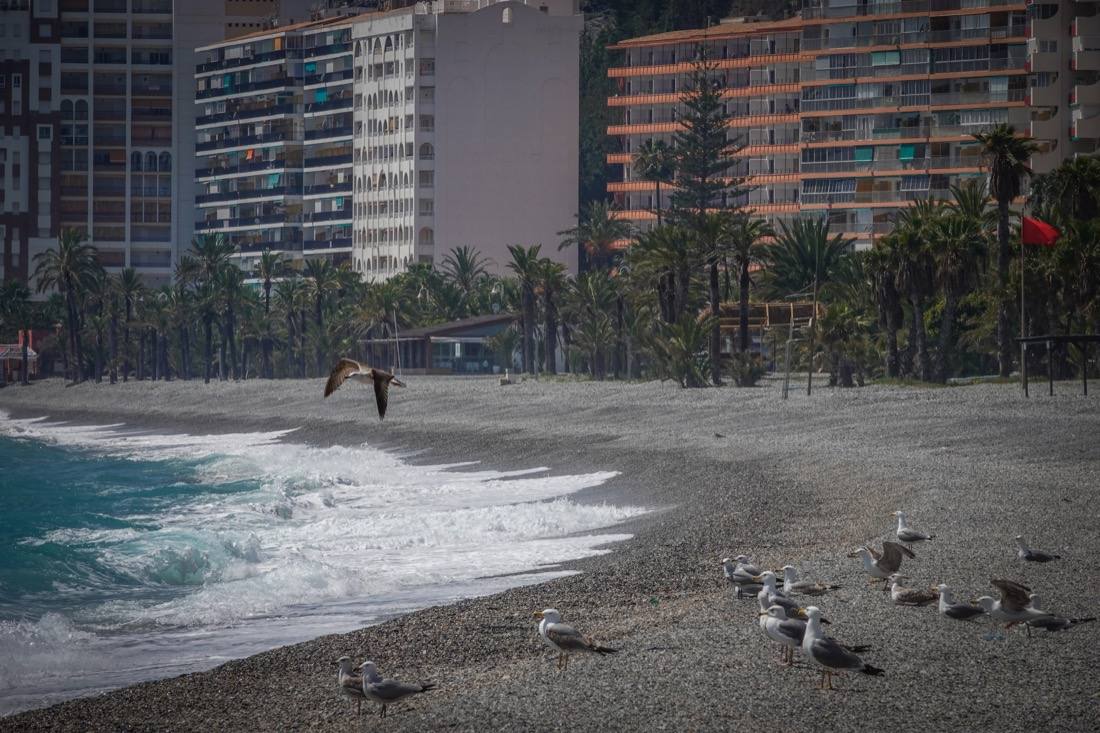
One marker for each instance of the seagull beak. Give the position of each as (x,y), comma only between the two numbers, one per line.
(758,578)
(537,614)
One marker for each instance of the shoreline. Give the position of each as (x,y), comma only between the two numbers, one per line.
(725,471)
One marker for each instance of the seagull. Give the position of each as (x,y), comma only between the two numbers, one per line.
(959,611)
(1013,607)
(830,653)
(350,685)
(1026,553)
(790,632)
(907,534)
(564,639)
(351,369)
(791,584)
(909,596)
(387,691)
(883,565)
(741,573)
(769,596)
(1054,623)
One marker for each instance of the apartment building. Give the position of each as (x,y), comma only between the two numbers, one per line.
(99,100)
(388,138)
(856,109)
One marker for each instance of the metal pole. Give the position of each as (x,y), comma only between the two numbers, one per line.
(787,366)
(1023,367)
(396,342)
(1050,369)
(1023,318)
(813,325)
(1085,366)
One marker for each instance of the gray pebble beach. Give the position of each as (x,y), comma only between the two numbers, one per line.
(724,471)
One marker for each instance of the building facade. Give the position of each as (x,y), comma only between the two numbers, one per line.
(856,109)
(389,138)
(103,122)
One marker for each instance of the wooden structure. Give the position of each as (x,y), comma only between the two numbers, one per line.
(11,361)
(770,324)
(457,347)
(1081,339)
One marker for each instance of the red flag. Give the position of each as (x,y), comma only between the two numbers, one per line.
(1039,232)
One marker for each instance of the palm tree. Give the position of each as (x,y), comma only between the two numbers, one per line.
(229,283)
(268,267)
(747,250)
(289,295)
(881,267)
(15,308)
(680,347)
(712,244)
(525,263)
(324,280)
(551,281)
(589,299)
(69,267)
(464,267)
(915,275)
(958,251)
(596,233)
(131,288)
(659,257)
(1070,191)
(804,257)
(187,270)
(1006,154)
(655,161)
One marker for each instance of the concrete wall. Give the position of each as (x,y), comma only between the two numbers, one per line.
(506,130)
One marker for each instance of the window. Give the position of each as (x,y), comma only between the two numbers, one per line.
(45,132)
(16,81)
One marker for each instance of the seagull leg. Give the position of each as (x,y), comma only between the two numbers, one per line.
(383,713)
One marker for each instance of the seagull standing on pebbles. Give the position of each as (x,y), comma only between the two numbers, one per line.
(350,685)
(792,584)
(564,639)
(829,653)
(959,611)
(1026,553)
(1014,606)
(907,534)
(883,565)
(903,596)
(741,573)
(387,691)
(350,369)
(1054,623)
(769,596)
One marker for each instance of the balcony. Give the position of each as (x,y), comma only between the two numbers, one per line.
(329,106)
(311,245)
(251,86)
(1086,94)
(247,167)
(242,195)
(238,142)
(327,132)
(1048,96)
(1085,127)
(110,89)
(1051,128)
(324,188)
(246,114)
(317,217)
(152,7)
(155,32)
(328,161)
(873,197)
(329,78)
(110,6)
(1044,61)
(1086,53)
(256,58)
(329,50)
(902,6)
(246,221)
(145,113)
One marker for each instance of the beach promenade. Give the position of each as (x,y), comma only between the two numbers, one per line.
(726,472)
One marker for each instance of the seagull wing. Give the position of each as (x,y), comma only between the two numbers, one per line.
(1014,597)
(568,639)
(892,554)
(792,629)
(917,596)
(340,372)
(381,390)
(830,653)
(393,690)
(351,683)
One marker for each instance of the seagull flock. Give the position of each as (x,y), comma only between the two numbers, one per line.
(781,617)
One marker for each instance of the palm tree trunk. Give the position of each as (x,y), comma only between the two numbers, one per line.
(154,353)
(551,325)
(657,181)
(683,285)
(528,330)
(141,356)
(302,343)
(223,344)
(619,363)
(320,322)
(920,340)
(114,348)
(892,361)
(1004,309)
(743,307)
(947,337)
(716,328)
(231,336)
(126,344)
(98,356)
(25,371)
(208,347)
(566,340)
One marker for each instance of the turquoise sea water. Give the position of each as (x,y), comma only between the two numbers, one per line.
(131,555)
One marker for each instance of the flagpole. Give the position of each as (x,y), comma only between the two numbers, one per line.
(1023,321)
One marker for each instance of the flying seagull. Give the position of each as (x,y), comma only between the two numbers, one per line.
(1026,553)
(741,573)
(789,632)
(907,534)
(792,584)
(387,691)
(830,653)
(351,369)
(564,639)
(958,611)
(1054,623)
(350,685)
(903,596)
(1014,606)
(883,565)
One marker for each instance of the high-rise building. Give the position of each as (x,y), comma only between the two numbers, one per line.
(855,109)
(390,138)
(101,127)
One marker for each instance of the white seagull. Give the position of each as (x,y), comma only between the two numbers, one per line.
(903,596)
(769,596)
(740,572)
(350,369)
(1026,553)
(387,691)
(1014,606)
(789,632)
(883,565)
(350,685)
(564,639)
(830,653)
(959,611)
(907,534)
(1054,623)
(792,584)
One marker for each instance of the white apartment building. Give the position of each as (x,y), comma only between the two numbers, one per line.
(389,138)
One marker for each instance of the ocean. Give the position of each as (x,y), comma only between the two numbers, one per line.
(131,555)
